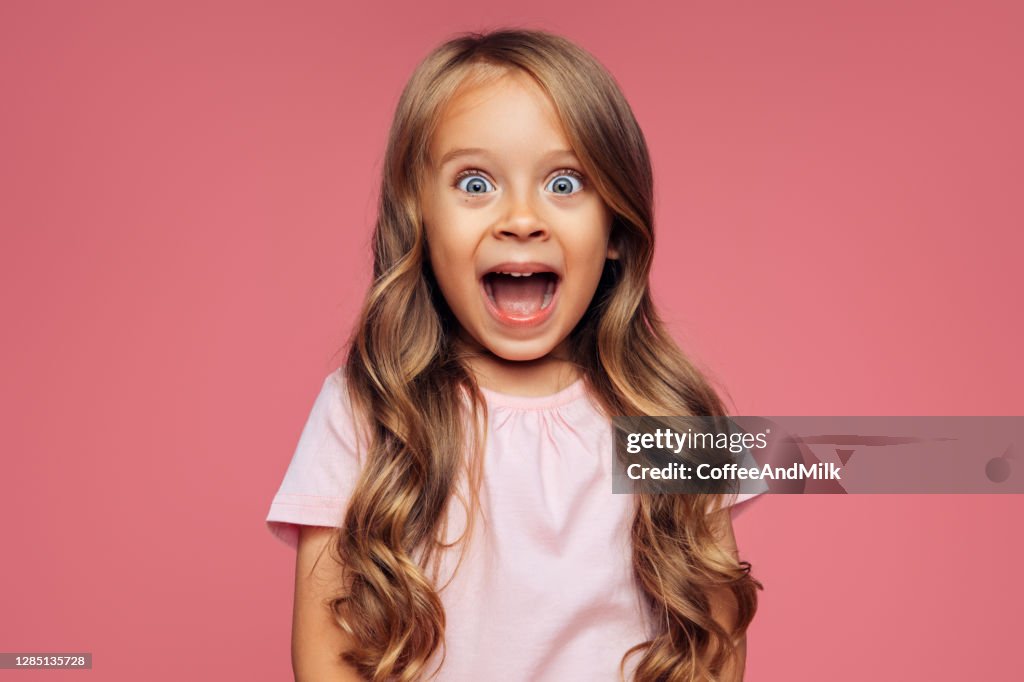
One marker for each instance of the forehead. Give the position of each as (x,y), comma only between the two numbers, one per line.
(508,115)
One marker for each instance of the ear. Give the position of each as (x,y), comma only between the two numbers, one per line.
(613,250)
(613,239)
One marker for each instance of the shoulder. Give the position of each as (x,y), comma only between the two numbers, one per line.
(329,444)
(335,388)
(332,409)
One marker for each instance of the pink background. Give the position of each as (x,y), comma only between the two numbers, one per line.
(187,191)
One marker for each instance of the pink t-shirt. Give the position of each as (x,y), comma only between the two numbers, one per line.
(546,591)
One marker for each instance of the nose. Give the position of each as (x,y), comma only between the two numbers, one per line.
(521,222)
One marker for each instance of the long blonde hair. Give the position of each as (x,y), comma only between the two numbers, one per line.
(408,383)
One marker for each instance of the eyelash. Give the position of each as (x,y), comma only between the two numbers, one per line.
(562,171)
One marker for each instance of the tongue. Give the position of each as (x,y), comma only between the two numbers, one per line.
(519,295)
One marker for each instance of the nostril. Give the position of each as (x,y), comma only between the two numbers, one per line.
(536,233)
(522,230)
(529,235)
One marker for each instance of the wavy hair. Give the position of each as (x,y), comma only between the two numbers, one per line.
(410,385)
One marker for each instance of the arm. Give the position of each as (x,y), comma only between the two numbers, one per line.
(723,603)
(317,640)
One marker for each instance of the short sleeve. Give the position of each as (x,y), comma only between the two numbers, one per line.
(323,470)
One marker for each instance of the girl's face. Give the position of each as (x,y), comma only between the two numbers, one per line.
(505,194)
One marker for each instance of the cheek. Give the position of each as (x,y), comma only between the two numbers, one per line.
(586,259)
(453,267)
(444,227)
(449,257)
(589,254)
(593,230)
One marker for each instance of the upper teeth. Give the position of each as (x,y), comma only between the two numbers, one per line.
(516,274)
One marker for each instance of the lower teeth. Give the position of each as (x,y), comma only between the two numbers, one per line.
(548,294)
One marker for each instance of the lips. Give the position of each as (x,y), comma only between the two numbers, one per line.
(520,294)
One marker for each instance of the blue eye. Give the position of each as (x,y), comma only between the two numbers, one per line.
(566,182)
(477,183)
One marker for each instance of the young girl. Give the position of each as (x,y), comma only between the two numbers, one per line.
(459,465)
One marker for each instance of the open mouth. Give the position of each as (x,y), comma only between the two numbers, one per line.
(520,295)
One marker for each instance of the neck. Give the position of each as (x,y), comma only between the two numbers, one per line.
(539,377)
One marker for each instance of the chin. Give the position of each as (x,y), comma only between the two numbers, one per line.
(520,351)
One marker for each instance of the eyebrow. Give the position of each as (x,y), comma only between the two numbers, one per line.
(453,154)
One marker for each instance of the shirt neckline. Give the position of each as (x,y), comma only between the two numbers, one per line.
(572,392)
